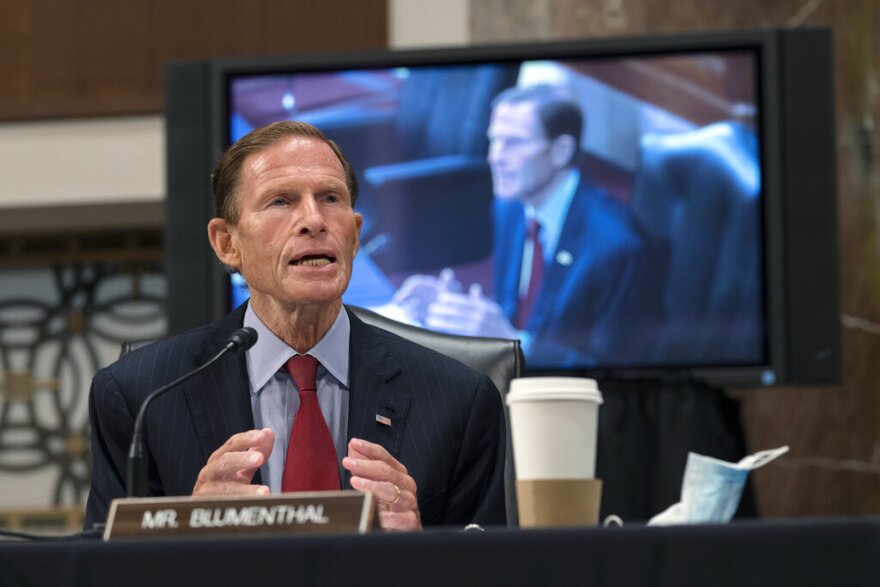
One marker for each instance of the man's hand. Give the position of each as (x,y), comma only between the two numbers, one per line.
(376,471)
(232,466)
(471,314)
(418,292)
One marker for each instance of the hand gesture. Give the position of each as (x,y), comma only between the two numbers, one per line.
(471,314)
(418,292)
(374,470)
(232,466)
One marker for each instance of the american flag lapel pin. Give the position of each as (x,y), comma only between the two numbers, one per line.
(383,420)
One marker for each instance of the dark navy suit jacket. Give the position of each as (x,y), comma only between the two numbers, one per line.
(583,313)
(447,421)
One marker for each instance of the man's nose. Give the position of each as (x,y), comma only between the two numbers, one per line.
(310,217)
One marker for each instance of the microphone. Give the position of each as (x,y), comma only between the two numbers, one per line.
(240,340)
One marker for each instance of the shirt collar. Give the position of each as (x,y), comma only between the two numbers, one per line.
(270,353)
(553,210)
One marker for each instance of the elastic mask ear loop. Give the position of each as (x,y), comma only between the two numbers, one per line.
(612,520)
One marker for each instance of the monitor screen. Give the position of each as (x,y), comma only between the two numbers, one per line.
(629,208)
(608,210)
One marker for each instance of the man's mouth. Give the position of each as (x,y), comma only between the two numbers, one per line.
(313,261)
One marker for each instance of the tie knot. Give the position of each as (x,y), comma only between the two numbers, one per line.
(303,369)
(533,228)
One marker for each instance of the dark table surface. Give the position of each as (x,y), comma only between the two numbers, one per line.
(798,552)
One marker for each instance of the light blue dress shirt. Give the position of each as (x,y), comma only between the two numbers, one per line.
(551,216)
(275,398)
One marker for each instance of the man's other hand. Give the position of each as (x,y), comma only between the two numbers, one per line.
(470,314)
(232,466)
(374,470)
(418,292)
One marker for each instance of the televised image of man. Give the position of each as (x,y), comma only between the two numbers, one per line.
(322,401)
(564,254)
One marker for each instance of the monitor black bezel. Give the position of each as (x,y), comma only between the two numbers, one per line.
(765,44)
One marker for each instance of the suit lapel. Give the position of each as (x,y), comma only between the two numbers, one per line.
(574,232)
(219,399)
(378,404)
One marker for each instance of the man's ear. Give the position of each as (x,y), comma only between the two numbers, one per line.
(359,222)
(563,150)
(221,237)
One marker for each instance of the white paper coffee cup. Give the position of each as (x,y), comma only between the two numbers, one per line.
(554,427)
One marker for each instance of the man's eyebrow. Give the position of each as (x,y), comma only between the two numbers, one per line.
(332,184)
(295,185)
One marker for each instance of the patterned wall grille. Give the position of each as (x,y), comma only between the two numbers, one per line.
(58,325)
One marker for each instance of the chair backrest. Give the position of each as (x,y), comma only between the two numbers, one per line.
(697,195)
(499,358)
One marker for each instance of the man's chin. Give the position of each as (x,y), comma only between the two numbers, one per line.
(322,292)
(314,294)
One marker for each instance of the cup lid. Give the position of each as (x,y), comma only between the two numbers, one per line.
(554,388)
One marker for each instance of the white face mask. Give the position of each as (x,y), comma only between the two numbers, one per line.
(711,488)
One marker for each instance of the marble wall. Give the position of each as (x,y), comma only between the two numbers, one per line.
(834,432)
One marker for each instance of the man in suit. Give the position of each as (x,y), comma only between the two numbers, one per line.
(565,252)
(422,432)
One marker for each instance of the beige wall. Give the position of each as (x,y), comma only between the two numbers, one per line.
(428,23)
(80,164)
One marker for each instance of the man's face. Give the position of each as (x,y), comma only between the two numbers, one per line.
(519,154)
(297,234)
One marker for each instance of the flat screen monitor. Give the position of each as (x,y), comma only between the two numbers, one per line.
(624,207)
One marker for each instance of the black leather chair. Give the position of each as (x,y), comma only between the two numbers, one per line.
(697,195)
(500,359)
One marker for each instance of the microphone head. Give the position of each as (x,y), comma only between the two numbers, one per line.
(242,339)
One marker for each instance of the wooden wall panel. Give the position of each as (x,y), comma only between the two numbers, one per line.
(100,57)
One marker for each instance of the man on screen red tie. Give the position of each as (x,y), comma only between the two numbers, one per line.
(322,400)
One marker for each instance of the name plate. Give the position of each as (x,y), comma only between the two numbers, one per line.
(321,512)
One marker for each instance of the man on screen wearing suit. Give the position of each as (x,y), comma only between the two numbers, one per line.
(374,413)
(565,252)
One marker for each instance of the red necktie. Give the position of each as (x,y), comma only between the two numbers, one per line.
(533,230)
(311,458)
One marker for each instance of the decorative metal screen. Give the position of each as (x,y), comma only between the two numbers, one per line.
(58,326)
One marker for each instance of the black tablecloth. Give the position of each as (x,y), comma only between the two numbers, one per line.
(800,553)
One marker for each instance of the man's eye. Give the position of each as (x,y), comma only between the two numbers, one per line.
(279,201)
(331,198)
